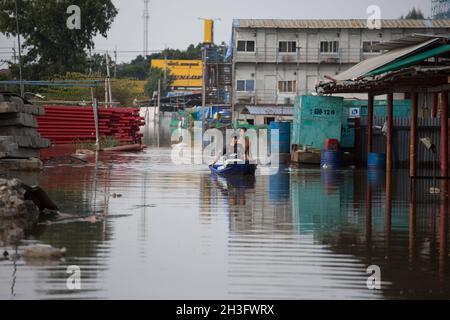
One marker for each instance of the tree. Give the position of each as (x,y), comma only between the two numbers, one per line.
(138,68)
(154,76)
(50,46)
(414,14)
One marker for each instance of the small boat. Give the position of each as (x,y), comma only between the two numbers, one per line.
(234,169)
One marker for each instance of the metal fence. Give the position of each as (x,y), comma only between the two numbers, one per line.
(427,127)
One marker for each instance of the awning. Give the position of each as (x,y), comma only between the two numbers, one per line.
(372,64)
(268,111)
(411,60)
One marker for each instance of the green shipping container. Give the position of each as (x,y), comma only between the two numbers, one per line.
(316,119)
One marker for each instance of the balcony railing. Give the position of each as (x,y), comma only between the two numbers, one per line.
(310,55)
(264,96)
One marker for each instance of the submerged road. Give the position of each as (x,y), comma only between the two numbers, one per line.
(174,232)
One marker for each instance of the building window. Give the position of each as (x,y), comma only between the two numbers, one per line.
(329,46)
(367,46)
(287,46)
(287,86)
(246,46)
(245,85)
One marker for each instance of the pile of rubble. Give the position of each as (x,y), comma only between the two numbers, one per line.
(19,139)
(16,213)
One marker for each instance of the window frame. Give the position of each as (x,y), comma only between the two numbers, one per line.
(289,48)
(332,46)
(287,86)
(371,43)
(245,85)
(246,42)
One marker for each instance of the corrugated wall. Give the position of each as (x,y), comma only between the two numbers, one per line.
(427,127)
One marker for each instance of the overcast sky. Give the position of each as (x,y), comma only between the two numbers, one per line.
(175,24)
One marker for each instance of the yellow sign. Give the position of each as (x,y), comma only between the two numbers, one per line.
(187,73)
(209,31)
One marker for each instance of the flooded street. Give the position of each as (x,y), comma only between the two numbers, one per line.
(175,232)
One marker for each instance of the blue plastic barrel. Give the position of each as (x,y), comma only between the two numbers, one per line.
(284,135)
(331,159)
(376,161)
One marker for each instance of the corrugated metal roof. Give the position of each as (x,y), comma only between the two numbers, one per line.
(269,110)
(411,60)
(406,41)
(371,64)
(337,24)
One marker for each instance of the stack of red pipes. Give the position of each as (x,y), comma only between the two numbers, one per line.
(67,125)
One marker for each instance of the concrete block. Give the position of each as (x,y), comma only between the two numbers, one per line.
(32,109)
(7,145)
(21,164)
(8,107)
(25,153)
(18,131)
(12,107)
(34,142)
(19,119)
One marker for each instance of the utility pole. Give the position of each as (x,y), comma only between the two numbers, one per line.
(108,81)
(115,63)
(146,18)
(203,87)
(22,89)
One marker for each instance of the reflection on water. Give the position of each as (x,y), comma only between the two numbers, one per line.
(177,232)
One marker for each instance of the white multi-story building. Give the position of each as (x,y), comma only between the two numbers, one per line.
(275,60)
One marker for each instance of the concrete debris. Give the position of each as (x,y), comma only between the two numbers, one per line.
(19,138)
(42,251)
(16,213)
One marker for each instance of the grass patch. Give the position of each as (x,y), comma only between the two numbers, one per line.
(105,143)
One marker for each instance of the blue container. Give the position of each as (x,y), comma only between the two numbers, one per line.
(331,159)
(376,161)
(284,143)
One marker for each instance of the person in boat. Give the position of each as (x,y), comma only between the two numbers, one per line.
(244,143)
(230,151)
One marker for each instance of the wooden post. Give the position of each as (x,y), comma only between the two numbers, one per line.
(443,232)
(96,123)
(444,134)
(389,120)
(434,105)
(388,216)
(370,123)
(369,215)
(413,135)
(412,220)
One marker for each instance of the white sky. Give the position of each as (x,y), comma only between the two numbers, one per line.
(175,24)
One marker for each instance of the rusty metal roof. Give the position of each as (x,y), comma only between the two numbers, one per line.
(337,24)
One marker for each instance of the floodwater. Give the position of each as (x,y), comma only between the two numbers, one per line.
(175,232)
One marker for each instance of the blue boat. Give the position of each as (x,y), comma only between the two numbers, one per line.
(234,169)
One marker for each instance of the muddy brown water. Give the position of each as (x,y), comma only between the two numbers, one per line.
(175,232)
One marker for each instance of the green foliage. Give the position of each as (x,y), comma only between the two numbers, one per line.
(125,91)
(137,68)
(51,47)
(414,14)
(155,75)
